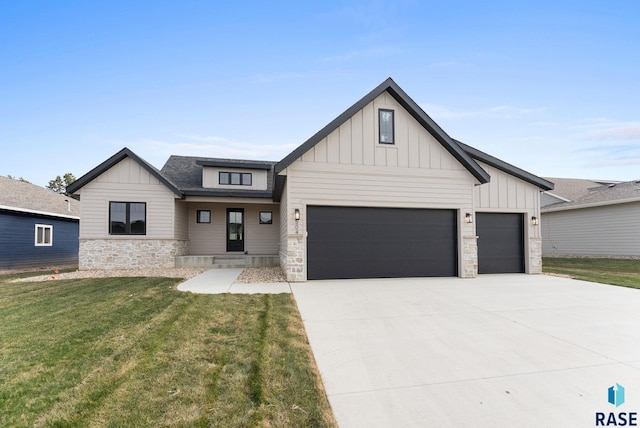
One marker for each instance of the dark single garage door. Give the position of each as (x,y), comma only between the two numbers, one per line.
(500,242)
(354,242)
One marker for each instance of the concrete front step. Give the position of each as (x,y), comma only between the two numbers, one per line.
(227,261)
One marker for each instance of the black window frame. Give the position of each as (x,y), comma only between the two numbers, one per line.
(199,220)
(227,178)
(393,126)
(127,224)
(270,217)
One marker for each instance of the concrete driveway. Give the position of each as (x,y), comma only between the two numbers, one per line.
(494,351)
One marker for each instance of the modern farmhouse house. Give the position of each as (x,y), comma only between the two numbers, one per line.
(381,191)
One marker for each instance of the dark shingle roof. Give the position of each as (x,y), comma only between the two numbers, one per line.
(186,173)
(22,196)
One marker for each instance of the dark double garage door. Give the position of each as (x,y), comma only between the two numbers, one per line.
(356,242)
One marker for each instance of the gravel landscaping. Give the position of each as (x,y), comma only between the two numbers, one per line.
(248,276)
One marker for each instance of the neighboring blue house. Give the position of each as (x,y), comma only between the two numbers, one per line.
(39,228)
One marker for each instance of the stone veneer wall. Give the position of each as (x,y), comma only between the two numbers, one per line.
(293,263)
(130,253)
(469,257)
(535,255)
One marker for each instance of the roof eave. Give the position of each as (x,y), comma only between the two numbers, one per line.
(266,194)
(506,167)
(568,206)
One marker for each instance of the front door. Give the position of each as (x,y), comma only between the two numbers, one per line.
(235,229)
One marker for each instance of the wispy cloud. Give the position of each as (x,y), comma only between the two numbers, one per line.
(500,111)
(373,52)
(616,131)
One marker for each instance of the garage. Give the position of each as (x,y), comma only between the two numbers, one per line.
(500,242)
(365,242)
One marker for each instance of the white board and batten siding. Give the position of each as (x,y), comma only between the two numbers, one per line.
(599,231)
(126,181)
(506,193)
(350,168)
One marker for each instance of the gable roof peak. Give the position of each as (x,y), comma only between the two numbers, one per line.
(390,86)
(113,160)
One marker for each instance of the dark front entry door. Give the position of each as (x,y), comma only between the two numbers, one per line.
(235,229)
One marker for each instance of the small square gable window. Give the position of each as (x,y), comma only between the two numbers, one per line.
(385,126)
(204,216)
(266,217)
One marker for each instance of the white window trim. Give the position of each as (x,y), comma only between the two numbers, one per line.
(45,244)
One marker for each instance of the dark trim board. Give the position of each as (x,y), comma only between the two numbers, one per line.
(500,242)
(367,242)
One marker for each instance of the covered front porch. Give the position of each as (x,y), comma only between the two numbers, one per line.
(231,233)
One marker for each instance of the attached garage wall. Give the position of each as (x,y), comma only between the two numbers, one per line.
(357,242)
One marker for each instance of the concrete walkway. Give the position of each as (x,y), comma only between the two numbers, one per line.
(493,351)
(219,281)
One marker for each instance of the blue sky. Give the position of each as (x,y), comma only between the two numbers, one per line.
(552,87)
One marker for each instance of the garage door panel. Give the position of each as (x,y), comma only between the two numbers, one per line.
(350,242)
(500,242)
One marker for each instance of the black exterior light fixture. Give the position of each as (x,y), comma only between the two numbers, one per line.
(468,218)
(296,216)
(534,221)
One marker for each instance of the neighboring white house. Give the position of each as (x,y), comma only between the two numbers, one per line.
(585,218)
(381,191)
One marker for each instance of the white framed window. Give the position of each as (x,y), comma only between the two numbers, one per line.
(44,235)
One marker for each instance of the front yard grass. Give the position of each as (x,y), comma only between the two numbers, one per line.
(623,272)
(137,352)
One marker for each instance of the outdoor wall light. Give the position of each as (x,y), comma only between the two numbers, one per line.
(296,214)
(468,218)
(534,221)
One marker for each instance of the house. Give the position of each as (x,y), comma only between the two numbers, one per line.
(585,218)
(38,227)
(381,191)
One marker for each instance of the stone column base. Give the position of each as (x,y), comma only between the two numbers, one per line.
(294,267)
(535,255)
(469,257)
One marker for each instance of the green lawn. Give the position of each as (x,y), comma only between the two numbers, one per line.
(608,271)
(135,352)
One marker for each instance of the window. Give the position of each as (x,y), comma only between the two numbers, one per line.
(127,218)
(385,126)
(235,178)
(44,235)
(266,217)
(203,216)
